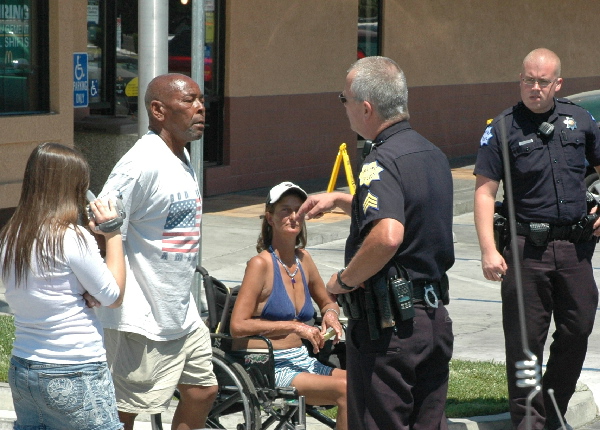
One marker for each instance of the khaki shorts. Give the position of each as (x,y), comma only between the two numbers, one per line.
(146,372)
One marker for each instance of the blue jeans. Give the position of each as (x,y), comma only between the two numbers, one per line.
(50,396)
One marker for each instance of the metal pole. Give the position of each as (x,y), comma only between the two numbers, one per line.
(197,146)
(153,37)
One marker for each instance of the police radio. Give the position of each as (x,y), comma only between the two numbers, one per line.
(545,129)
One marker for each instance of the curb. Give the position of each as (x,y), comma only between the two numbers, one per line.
(582,410)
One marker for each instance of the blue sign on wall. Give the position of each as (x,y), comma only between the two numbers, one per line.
(80,79)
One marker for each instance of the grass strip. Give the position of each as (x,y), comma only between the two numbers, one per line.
(7,336)
(475,387)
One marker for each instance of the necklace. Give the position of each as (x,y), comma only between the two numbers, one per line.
(291,275)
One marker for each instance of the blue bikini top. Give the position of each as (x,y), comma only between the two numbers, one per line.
(279,306)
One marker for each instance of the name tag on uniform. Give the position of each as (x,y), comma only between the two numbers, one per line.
(525,142)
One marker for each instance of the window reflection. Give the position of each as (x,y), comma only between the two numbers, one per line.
(23,56)
(368,28)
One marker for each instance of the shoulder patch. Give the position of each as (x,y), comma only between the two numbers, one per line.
(487,135)
(370,172)
(371,201)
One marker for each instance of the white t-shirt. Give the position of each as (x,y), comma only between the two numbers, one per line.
(161,235)
(52,322)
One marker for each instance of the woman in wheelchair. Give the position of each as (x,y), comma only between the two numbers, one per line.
(277,303)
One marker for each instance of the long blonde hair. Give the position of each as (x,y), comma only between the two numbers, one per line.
(52,198)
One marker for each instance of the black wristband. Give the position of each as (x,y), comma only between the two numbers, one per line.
(339,280)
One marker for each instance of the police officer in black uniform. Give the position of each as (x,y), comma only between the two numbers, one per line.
(393,289)
(549,140)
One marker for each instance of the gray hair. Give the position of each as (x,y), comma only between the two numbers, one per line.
(381,82)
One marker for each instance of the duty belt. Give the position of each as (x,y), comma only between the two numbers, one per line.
(550,231)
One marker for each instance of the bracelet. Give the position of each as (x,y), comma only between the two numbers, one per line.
(339,280)
(332,310)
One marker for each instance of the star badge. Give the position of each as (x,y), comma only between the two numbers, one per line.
(370,172)
(570,123)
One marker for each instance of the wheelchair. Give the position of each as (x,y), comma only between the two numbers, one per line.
(247,397)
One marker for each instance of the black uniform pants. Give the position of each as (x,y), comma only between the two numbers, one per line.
(557,279)
(400,381)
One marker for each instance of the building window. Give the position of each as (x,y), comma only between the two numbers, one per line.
(24,57)
(180,47)
(369,28)
(101,42)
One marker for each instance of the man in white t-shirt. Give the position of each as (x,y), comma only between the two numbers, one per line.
(156,341)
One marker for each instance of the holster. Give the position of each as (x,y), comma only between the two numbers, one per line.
(583,231)
(353,304)
(500,232)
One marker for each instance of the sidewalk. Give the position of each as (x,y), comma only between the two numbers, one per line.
(230,227)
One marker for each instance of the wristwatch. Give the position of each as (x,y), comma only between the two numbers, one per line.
(339,280)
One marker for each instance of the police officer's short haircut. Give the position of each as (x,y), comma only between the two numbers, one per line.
(381,82)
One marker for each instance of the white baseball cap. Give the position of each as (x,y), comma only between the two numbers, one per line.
(278,190)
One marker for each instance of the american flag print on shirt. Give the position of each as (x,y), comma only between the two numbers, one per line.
(182,228)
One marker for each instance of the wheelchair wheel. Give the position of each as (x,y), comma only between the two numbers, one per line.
(236,405)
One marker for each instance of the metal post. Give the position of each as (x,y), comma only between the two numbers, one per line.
(153,29)
(197,146)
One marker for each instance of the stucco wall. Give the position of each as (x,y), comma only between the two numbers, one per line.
(469,41)
(285,65)
(462,59)
(279,47)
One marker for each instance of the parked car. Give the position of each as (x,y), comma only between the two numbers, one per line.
(590,100)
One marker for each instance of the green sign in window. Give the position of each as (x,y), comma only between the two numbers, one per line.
(22,68)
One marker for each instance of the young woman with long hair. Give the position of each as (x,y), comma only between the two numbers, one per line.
(58,373)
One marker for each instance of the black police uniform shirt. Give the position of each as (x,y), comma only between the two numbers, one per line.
(548,173)
(407,178)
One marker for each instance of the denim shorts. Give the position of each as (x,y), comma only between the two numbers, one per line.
(62,396)
(289,363)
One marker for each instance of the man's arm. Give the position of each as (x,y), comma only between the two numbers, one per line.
(377,249)
(492,263)
(315,205)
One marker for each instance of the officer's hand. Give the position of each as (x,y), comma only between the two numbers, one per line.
(315,206)
(333,287)
(493,265)
(596,231)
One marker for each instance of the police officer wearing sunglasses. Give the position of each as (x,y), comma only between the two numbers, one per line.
(393,288)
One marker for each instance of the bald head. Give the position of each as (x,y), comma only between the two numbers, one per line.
(163,87)
(540,80)
(543,56)
(175,106)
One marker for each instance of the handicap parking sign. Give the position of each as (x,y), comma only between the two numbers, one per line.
(80,79)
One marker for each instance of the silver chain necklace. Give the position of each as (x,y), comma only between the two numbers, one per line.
(291,275)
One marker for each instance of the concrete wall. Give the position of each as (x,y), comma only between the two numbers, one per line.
(20,134)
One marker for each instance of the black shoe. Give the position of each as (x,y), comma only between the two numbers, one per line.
(553,423)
